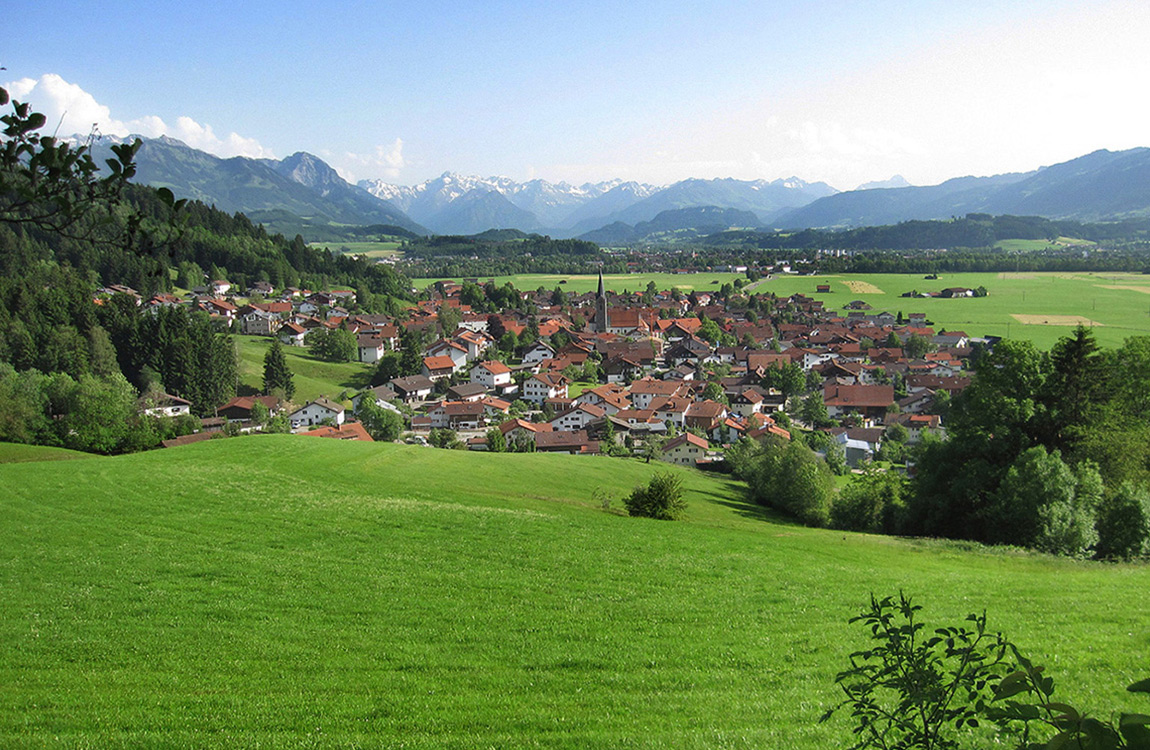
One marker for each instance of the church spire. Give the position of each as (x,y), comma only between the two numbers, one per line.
(601,306)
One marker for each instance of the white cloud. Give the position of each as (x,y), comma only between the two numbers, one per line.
(385,161)
(834,138)
(71,110)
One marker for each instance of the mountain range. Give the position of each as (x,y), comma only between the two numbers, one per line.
(1100,185)
(304,191)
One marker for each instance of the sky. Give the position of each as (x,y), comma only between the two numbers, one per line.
(842,92)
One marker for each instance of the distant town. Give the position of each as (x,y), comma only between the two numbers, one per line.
(671,375)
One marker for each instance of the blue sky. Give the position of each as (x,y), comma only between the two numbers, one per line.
(844,92)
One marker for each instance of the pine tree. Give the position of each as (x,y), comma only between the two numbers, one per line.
(277,375)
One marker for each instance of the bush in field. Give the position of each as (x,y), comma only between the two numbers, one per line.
(662,498)
(1045,504)
(1124,523)
(873,502)
(785,475)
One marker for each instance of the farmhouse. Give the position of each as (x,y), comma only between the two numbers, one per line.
(317,412)
(491,374)
(543,386)
(165,405)
(413,388)
(868,401)
(687,449)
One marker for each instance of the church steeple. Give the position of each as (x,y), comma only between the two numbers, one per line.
(601,306)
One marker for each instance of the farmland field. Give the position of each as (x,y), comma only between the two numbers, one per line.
(366,249)
(1116,302)
(635,282)
(283,591)
(313,377)
(1028,246)
(1119,303)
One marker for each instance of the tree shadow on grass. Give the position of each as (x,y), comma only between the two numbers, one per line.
(737,500)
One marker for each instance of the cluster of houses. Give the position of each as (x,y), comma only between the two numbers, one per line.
(657,375)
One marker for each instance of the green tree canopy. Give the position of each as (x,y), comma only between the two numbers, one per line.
(277,374)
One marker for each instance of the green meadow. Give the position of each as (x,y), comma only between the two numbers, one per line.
(615,282)
(366,249)
(1040,307)
(283,591)
(313,377)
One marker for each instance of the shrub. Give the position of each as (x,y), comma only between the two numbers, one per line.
(1124,523)
(785,475)
(662,498)
(920,688)
(874,502)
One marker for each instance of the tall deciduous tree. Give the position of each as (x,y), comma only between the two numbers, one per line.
(382,424)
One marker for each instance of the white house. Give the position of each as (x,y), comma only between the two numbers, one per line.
(576,418)
(456,353)
(371,348)
(166,405)
(685,449)
(315,412)
(540,351)
(491,374)
(293,334)
(383,396)
(543,386)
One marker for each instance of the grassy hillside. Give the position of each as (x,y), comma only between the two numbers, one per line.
(284,591)
(15,453)
(313,377)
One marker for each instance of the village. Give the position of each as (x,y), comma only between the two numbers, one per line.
(664,374)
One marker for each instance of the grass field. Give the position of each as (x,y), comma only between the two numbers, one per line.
(283,591)
(635,282)
(366,249)
(14,453)
(1117,302)
(1029,246)
(312,377)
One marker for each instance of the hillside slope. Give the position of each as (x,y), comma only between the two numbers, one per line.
(302,185)
(283,590)
(1099,185)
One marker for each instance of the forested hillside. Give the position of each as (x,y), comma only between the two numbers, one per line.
(74,357)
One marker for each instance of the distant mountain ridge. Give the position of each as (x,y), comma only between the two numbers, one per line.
(675,224)
(301,185)
(550,204)
(303,193)
(1100,185)
(763,198)
(568,210)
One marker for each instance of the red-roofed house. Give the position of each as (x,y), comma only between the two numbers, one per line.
(349,431)
(869,401)
(438,368)
(545,385)
(491,374)
(687,449)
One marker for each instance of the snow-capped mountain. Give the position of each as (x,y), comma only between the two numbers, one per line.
(552,204)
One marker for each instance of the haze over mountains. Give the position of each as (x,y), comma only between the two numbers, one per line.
(303,190)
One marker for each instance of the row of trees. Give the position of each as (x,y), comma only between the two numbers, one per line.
(92,413)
